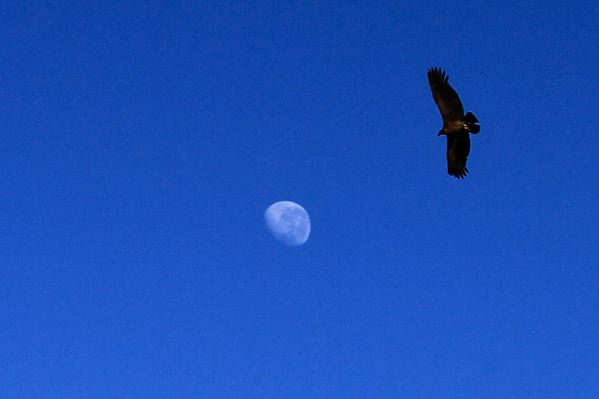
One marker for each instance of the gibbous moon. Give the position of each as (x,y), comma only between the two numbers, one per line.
(288,222)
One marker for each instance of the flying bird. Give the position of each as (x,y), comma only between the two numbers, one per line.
(456,126)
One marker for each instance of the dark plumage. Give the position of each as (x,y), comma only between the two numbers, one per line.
(456,126)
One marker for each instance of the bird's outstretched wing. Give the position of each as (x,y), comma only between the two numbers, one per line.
(445,96)
(458,148)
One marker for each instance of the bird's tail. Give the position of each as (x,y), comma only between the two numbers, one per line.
(472,123)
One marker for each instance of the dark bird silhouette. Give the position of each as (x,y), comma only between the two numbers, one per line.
(456,126)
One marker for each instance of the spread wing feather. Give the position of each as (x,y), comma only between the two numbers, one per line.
(445,96)
(458,149)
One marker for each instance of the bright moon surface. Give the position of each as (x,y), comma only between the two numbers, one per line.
(288,222)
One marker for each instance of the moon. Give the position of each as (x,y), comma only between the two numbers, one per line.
(288,222)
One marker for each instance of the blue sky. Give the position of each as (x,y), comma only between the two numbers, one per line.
(142,142)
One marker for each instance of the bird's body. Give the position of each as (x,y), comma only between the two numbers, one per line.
(456,126)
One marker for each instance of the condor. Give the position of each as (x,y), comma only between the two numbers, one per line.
(456,126)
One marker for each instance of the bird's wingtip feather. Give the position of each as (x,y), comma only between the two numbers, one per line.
(437,75)
(459,173)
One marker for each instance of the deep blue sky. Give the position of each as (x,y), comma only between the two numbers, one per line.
(142,142)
